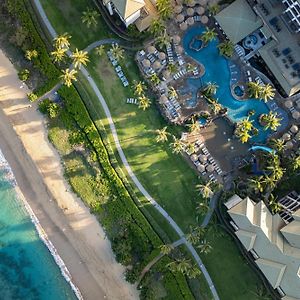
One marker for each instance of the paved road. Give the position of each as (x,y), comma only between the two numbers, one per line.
(126,164)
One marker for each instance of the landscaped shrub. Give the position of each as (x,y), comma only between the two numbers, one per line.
(49,107)
(23,74)
(32,97)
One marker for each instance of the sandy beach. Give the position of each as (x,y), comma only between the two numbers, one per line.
(75,233)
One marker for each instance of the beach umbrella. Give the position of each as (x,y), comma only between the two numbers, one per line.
(161,55)
(203,158)
(146,63)
(204,19)
(203,2)
(289,145)
(166,74)
(201,168)
(294,128)
(190,21)
(183,26)
(156,65)
(288,104)
(210,168)
(190,11)
(191,3)
(151,49)
(178,9)
(180,18)
(176,39)
(297,136)
(286,137)
(296,115)
(163,99)
(179,49)
(200,10)
(194,157)
(298,103)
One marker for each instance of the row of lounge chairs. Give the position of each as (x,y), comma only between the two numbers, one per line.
(179,74)
(132,101)
(118,69)
(170,53)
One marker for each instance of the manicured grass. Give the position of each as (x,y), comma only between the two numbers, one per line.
(65,16)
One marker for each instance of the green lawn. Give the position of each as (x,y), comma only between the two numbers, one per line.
(65,16)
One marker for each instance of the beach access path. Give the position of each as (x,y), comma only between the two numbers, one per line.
(76,234)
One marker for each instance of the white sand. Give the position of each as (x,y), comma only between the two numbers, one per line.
(75,233)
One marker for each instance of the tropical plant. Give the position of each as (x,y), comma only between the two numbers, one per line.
(154,79)
(68,76)
(256,184)
(177,145)
(243,135)
(172,68)
(190,148)
(139,87)
(62,41)
(166,249)
(183,265)
(162,135)
(157,27)
(215,106)
(32,97)
(213,9)
(226,48)
(243,129)
(295,162)
(271,120)
(276,169)
(195,234)
(164,8)
(254,89)
(100,50)
(144,102)
(24,74)
(163,40)
(59,54)
(117,52)
(206,190)
(194,126)
(193,272)
(205,247)
(269,182)
(30,54)
(278,145)
(274,205)
(202,208)
(210,89)
(267,92)
(208,35)
(172,93)
(89,17)
(80,58)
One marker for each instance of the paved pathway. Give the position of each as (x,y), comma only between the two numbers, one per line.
(126,164)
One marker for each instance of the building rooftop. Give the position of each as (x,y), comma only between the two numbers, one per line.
(126,8)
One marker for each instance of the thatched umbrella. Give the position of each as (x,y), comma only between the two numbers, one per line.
(190,11)
(161,55)
(289,145)
(180,18)
(210,168)
(296,115)
(151,49)
(297,136)
(166,74)
(294,128)
(178,9)
(194,157)
(286,137)
(190,21)
(200,10)
(201,168)
(156,65)
(191,3)
(298,103)
(176,39)
(204,19)
(203,158)
(203,2)
(183,26)
(179,49)
(163,99)
(146,63)
(288,104)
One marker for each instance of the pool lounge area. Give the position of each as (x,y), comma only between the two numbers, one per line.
(217,70)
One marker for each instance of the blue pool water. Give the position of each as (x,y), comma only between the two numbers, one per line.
(27,269)
(238,91)
(217,70)
(196,44)
(202,121)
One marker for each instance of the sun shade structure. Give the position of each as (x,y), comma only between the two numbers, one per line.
(200,10)
(296,115)
(151,49)
(180,18)
(183,26)
(127,8)
(161,55)
(294,128)
(176,39)
(163,99)
(289,145)
(203,2)
(286,137)
(146,63)
(238,20)
(178,9)
(288,104)
(166,74)
(201,168)
(190,11)
(204,19)
(194,157)
(210,168)
(190,21)
(179,49)
(191,3)
(156,65)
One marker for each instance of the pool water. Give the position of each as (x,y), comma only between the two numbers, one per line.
(217,70)
(202,121)
(196,44)
(238,91)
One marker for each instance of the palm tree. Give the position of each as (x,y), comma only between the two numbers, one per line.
(139,87)
(210,89)
(295,162)
(254,89)
(246,124)
(226,48)
(172,93)
(62,41)
(144,102)
(257,184)
(157,27)
(205,189)
(89,17)
(277,171)
(30,54)
(267,92)
(100,50)
(205,247)
(274,205)
(208,35)
(172,68)
(183,265)
(213,9)
(271,120)
(269,182)
(79,58)
(193,272)
(203,208)
(190,148)
(59,54)
(162,135)
(163,40)
(215,106)
(117,52)
(243,135)
(166,249)
(194,126)
(172,266)
(155,79)
(68,76)
(177,145)
(278,144)
(195,234)
(164,8)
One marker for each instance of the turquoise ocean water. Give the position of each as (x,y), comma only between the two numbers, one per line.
(27,269)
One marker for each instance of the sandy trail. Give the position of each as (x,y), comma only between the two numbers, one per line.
(75,233)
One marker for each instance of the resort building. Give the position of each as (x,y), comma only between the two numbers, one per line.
(267,32)
(273,240)
(138,12)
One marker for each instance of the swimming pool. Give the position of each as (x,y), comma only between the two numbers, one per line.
(217,70)
(238,91)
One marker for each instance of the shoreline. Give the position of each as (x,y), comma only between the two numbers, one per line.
(73,230)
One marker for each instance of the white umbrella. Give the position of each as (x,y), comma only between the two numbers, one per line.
(288,104)
(183,26)
(190,11)
(176,39)
(178,9)
(163,99)
(194,157)
(146,63)
(201,168)
(151,49)
(296,115)
(180,18)
(161,55)
(190,21)
(289,145)
(210,168)
(156,64)
(286,137)
(200,10)
(204,19)
(294,128)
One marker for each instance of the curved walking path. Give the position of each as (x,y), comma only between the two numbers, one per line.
(126,164)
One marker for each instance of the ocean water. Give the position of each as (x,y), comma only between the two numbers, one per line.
(27,269)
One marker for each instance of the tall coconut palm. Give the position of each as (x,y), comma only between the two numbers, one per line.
(213,9)
(246,124)
(226,48)
(206,189)
(80,58)
(68,76)
(172,93)
(172,68)
(193,272)
(254,89)
(271,120)
(166,249)
(183,265)
(138,87)
(210,89)
(162,135)
(274,205)
(269,182)
(30,54)
(117,52)
(194,126)
(62,41)
(100,50)
(155,79)
(243,135)
(59,54)
(278,145)
(144,102)
(89,17)
(164,8)
(157,27)
(277,171)
(267,92)
(208,35)
(295,162)
(202,208)
(215,106)
(190,148)
(205,247)
(177,145)
(257,184)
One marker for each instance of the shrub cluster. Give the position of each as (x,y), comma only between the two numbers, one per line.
(49,107)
